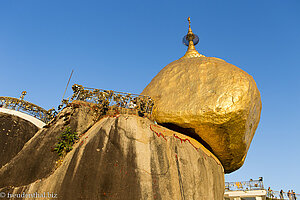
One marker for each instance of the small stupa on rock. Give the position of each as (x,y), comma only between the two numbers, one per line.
(210,100)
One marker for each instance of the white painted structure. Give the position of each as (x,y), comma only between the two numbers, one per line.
(25,116)
(246,195)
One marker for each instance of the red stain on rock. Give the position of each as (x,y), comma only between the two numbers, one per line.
(184,140)
(158,134)
(181,140)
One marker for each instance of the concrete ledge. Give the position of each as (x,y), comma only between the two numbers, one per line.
(238,195)
(25,116)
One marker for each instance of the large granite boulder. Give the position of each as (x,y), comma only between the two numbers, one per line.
(118,157)
(14,133)
(210,100)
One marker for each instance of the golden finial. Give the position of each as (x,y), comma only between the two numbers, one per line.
(23,95)
(190,29)
(191,40)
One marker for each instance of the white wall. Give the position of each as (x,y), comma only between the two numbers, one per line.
(25,116)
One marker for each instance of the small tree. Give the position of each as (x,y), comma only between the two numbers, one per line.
(65,142)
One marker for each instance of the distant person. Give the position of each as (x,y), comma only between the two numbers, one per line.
(281,194)
(289,195)
(270,192)
(293,195)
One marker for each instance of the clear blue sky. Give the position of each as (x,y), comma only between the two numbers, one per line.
(122,45)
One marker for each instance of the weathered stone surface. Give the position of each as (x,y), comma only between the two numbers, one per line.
(211,100)
(129,157)
(37,160)
(14,133)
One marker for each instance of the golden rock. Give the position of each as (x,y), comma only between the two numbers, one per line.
(211,100)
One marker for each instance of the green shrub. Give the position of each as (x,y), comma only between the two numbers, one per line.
(65,142)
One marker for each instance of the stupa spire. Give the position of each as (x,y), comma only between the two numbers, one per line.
(191,40)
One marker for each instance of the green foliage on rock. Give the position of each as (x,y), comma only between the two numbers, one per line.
(66,141)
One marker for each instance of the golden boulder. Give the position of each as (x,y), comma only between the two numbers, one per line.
(211,100)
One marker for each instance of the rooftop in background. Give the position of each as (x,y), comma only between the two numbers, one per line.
(254,190)
(245,185)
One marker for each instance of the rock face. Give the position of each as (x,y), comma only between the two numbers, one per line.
(14,133)
(120,157)
(210,100)
(37,160)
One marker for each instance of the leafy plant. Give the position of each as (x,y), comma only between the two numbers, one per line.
(65,142)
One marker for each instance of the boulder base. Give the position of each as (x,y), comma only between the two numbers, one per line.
(121,157)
